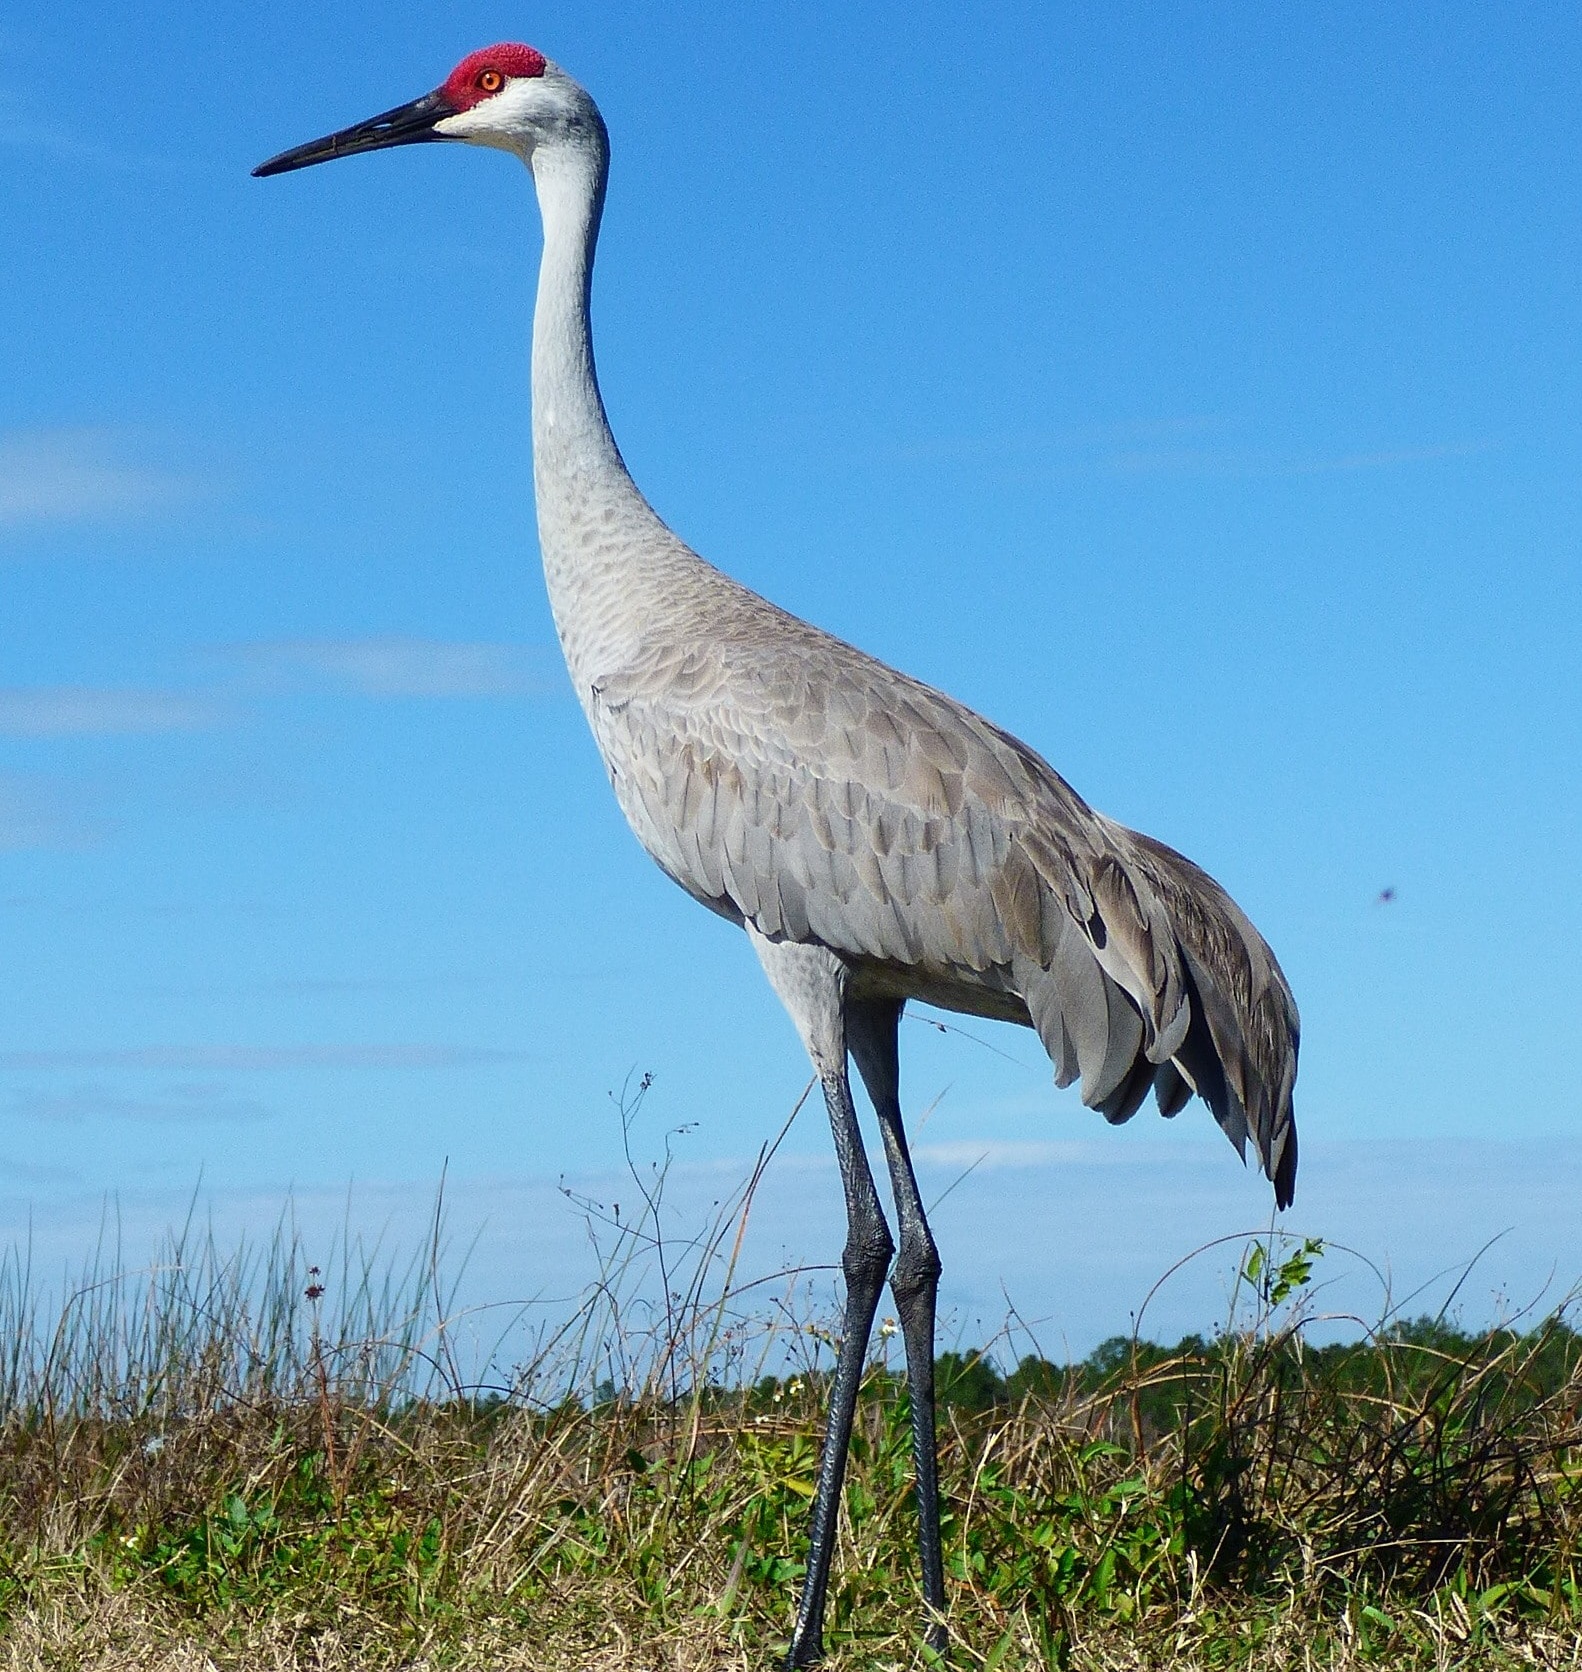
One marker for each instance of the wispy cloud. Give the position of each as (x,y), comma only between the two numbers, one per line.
(83,475)
(1233,461)
(1074,441)
(996,1154)
(183,1103)
(92,711)
(48,140)
(29,1173)
(38,813)
(381,668)
(221,1059)
(439,981)
(1187,446)
(395,666)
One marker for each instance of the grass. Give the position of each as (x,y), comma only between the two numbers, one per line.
(235,1459)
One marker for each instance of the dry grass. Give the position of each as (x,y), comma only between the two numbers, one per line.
(240,1461)
(318,1531)
(111,1631)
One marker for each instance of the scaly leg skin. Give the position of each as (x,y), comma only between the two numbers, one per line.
(811,982)
(871,1032)
(865,1262)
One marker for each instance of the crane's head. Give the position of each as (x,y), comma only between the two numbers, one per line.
(508,96)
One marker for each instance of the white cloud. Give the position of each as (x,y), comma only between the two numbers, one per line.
(234,1058)
(1187,446)
(387,667)
(55,142)
(35,813)
(1076,1248)
(997,1154)
(1074,440)
(26,1173)
(86,711)
(82,475)
(185,1103)
(395,666)
(1194,461)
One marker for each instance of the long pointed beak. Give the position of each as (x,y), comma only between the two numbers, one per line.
(408,124)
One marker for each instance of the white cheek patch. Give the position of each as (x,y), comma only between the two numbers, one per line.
(505,119)
(464,125)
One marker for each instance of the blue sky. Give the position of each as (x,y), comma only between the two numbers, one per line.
(1197,395)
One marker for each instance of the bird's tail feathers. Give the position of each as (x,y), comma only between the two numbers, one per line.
(1240,1048)
(1159,982)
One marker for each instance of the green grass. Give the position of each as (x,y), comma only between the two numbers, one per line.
(1450,1521)
(239,1457)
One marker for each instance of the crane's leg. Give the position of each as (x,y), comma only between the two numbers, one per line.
(811,982)
(871,1028)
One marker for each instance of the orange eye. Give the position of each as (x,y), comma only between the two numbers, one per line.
(490,81)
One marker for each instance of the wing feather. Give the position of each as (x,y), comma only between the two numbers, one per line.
(792,782)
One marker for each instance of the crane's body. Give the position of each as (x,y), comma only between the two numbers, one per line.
(878,841)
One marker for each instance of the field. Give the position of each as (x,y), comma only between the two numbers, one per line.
(234,1459)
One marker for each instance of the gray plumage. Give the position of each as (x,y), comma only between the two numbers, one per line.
(877,841)
(787,780)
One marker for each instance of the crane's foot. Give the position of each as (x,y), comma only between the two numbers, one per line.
(810,1651)
(804,1651)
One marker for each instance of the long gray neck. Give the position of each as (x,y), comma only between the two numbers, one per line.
(604,547)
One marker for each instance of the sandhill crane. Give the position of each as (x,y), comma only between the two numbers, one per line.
(877,841)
